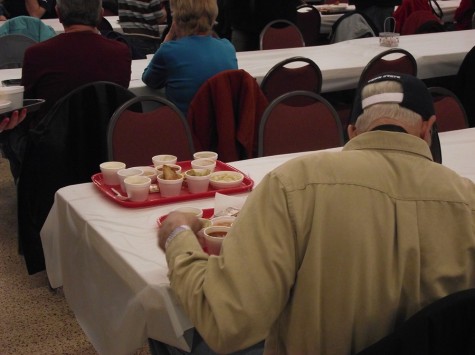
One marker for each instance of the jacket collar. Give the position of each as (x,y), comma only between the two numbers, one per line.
(395,141)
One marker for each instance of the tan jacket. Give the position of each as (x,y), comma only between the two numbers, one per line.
(332,250)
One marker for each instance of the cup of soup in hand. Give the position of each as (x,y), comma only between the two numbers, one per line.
(213,238)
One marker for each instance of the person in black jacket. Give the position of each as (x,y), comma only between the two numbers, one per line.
(247,18)
(377,11)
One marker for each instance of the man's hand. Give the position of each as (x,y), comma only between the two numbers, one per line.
(173,220)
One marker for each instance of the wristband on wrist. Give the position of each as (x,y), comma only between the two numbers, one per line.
(175,232)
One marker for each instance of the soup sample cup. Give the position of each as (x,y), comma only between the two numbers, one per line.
(204,163)
(195,211)
(163,159)
(159,168)
(206,154)
(137,187)
(109,171)
(169,188)
(149,171)
(213,238)
(123,173)
(197,180)
(226,221)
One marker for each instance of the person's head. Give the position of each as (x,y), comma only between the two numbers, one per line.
(194,16)
(393,99)
(79,12)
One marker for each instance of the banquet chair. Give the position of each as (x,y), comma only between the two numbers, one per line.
(146,126)
(308,21)
(464,86)
(445,326)
(13,49)
(280,34)
(27,26)
(448,110)
(299,121)
(65,148)
(285,76)
(352,25)
(224,115)
(392,60)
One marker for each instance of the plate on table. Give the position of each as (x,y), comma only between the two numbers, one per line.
(31,105)
(154,198)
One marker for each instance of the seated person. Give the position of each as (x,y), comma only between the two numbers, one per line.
(55,67)
(333,250)
(189,54)
(34,8)
(377,11)
(143,17)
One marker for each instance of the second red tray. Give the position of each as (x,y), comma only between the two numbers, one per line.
(156,199)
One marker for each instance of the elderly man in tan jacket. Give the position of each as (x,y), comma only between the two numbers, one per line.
(333,250)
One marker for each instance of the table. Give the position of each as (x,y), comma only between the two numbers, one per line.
(114,275)
(58,26)
(448,8)
(437,55)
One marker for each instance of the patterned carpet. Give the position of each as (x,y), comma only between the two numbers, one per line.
(33,318)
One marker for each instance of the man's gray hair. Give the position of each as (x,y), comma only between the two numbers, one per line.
(80,12)
(388,110)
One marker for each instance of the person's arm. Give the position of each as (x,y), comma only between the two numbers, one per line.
(155,74)
(234,299)
(16,118)
(34,9)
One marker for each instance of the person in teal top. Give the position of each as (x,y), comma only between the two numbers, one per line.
(189,54)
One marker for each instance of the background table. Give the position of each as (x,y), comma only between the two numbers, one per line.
(113,273)
(448,8)
(437,55)
(58,26)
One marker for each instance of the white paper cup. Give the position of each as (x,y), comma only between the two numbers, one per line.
(195,211)
(207,154)
(197,183)
(175,167)
(204,163)
(13,94)
(213,238)
(169,188)
(109,171)
(5,106)
(149,171)
(137,187)
(164,159)
(124,173)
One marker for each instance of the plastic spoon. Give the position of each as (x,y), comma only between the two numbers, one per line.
(118,195)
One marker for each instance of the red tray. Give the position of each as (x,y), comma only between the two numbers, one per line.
(155,198)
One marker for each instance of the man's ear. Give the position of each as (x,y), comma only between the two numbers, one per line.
(352,132)
(426,129)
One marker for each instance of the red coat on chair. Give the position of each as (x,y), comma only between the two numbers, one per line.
(224,115)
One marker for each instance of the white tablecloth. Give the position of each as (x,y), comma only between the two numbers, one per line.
(113,273)
(437,54)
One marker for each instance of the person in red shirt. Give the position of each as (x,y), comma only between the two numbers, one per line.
(53,68)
